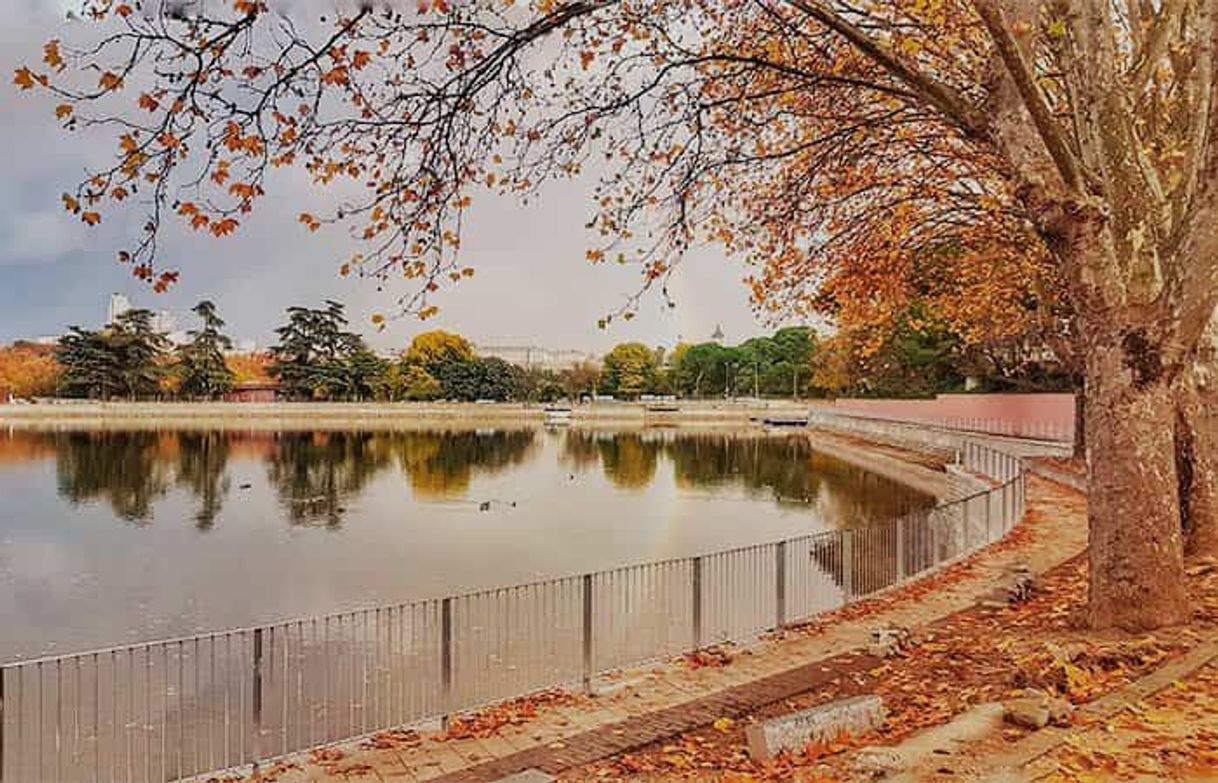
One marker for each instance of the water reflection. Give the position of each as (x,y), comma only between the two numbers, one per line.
(786,469)
(127,470)
(202,469)
(231,528)
(316,476)
(441,464)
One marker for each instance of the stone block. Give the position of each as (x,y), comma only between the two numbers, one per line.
(820,724)
(528,776)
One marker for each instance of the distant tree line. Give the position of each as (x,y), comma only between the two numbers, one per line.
(129,359)
(775,366)
(317,357)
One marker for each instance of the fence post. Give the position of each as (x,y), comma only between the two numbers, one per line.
(697,609)
(587,633)
(257,697)
(989,528)
(2,723)
(446,655)
(847,566)
(900,544)
(968,539)
(780,585)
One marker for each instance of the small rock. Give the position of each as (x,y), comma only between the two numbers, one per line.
(888,641)
(1060,711)
(1029,712)
(876,763)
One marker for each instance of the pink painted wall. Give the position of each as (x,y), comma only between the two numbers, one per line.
(1049,416)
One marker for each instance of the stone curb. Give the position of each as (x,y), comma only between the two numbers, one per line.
(1047,740)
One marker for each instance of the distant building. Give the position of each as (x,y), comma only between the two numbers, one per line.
(533,357)
(163,321)
(255,391)
(119,304)
(717,335)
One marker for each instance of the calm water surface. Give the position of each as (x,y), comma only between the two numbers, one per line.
(115,536)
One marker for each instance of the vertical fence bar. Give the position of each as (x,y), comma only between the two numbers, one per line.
(587,633)
(780,585)
(256,696)
(847,566)
(2,672)
(697,606)
(446,654)
(900,547)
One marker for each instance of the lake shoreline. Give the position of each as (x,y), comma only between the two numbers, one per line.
(293,415)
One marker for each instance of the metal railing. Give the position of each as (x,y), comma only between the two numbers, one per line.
(174,709)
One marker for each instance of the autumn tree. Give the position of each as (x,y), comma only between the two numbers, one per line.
(249,367)
(431,349)
(629,370)
(201,366)
(809,135)
(28,370)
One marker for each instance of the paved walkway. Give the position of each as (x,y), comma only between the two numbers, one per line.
(654,702)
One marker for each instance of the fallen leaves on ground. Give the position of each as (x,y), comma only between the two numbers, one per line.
(1172,736)
(488,721)
(976,656)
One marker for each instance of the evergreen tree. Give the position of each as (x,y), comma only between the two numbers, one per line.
(125,359)
(316,358)
(201,364)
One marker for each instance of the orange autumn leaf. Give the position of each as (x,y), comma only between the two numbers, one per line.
(148,102)
(51,55)
(187,208)
(91,218)
(123,10)
(310,221)
(63,110)
(224,227)
(360,60)
(198,221)
(70,203)
(24,78)
(110,81)
(337,76)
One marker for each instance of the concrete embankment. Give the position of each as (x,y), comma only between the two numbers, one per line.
(294,415)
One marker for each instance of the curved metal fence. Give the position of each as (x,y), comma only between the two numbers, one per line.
(167,710)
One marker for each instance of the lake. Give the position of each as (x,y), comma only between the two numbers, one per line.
(111,536)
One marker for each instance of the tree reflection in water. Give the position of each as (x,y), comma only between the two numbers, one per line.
(788,470)
(203,470)
(317,475)
(441,464)
(127,470)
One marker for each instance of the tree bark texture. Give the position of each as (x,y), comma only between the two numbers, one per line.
(1137,543)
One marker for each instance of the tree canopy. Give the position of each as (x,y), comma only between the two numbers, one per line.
(1061,160)
(201,365)
(316,357)
(124,359)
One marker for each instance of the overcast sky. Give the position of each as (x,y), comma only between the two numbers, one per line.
(532,284)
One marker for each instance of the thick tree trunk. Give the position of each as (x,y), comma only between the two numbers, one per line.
(1137,548)
(1197,448)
